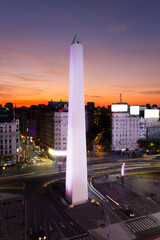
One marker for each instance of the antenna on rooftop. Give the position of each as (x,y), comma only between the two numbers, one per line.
(120,97)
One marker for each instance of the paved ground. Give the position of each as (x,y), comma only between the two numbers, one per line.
(89,216)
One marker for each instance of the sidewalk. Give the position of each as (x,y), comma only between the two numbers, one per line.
(117,231)
(88,216)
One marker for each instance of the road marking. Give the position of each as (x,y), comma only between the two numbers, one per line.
(108,221)
(62,219)
(13,186)
(149,224)
(50,228)
(142,224)
(57,228)
(132,229)
(130,220)
(15,176)
(45,226)
(112,207)
(56,212)
(139,226)
(77,236)
(35,220)
(62,225)
(30,231)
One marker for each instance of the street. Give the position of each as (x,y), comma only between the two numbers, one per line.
(45,211)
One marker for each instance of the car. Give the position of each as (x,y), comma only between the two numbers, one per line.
(42,160)
(96,203)
(33,160)
(41,235)
(129,212)
(9,162)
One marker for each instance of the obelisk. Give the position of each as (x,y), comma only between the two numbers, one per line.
(76,170)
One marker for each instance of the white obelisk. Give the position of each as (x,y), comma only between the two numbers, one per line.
(76,170)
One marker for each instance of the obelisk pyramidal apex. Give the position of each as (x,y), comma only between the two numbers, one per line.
(76,171)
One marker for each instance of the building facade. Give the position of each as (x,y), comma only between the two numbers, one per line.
(9,141)
(127,128)
(46,129)
(60,130)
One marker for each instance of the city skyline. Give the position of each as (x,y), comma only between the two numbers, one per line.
(121,43)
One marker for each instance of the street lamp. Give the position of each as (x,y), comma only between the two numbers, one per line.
(122,170)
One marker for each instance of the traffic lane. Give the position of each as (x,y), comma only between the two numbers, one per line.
(65,222)
(138,203)
(53,167)
(115,200)
(28,151)
(47,216)
(135,201)
(34,196)
(53,215)
(41,216)
(117,207)
(42,212)
(29,168)
(95,213)
(40,167)
(100,161)
(76,228)
(136,161)
(124,198)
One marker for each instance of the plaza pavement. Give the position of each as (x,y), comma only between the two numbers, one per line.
(89,217)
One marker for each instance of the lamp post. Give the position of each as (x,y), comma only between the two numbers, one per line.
(122,172)
(102,214)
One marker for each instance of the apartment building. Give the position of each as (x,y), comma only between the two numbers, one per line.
(9,140)
(60,130)
(127,128)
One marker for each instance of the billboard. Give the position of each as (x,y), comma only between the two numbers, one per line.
(134,110)
(151,113)
(119,107)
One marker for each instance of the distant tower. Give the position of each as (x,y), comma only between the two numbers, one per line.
(76,171)
(120,97)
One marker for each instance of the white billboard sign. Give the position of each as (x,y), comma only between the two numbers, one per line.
(119,107)
(134,110)
(151,113)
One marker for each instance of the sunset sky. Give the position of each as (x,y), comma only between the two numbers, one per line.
(121,40)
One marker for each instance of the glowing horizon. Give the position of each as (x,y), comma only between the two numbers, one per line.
(29,103)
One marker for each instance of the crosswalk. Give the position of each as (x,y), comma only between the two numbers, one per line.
(141,224)
(85,236)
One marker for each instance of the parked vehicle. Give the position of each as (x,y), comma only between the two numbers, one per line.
(127,210)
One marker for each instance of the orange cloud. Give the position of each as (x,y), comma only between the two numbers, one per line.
(32,78)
